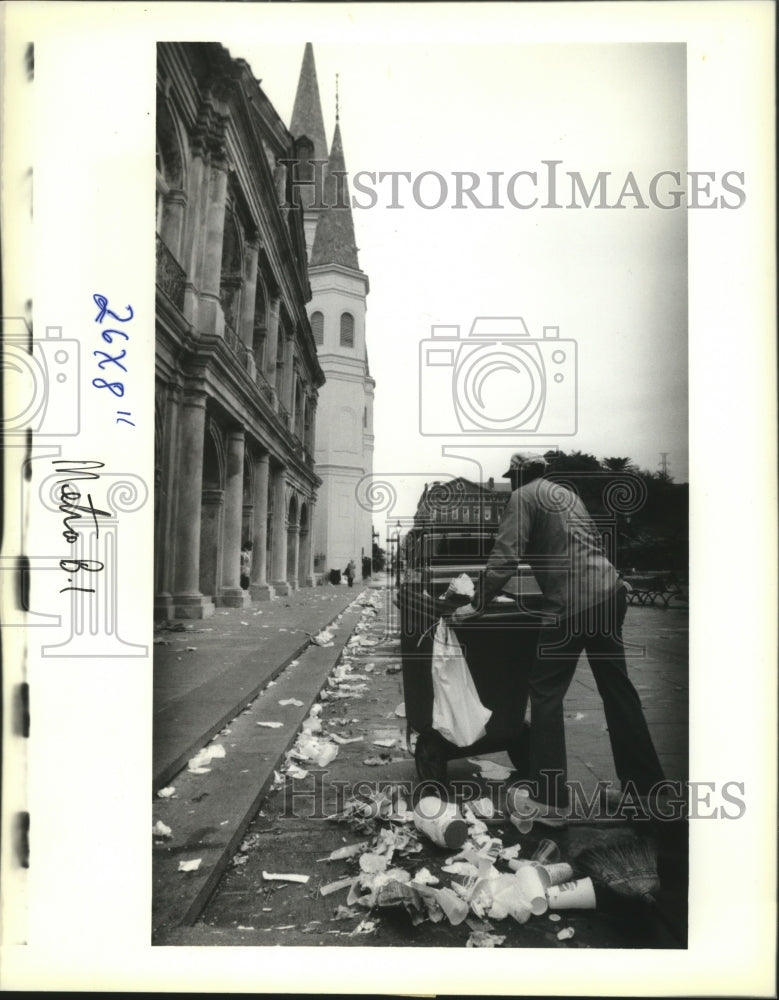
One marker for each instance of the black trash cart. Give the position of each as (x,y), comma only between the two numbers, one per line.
(499,647)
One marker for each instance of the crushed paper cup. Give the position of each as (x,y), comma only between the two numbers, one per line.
(441,822)
(565,934)
(189,866)
(578,895)
(455,909)
(482,808)
(161,830)
(165,793)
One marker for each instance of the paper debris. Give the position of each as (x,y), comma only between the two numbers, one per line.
(483,808)
(199,770)
(341,883)
(161,830)
(293,771)
(385,743)
(271,725)
(242,928)
(190,866)
(364,927)
(344,913)
(291,701)
(481,939)
(400,711)
(555,917)
(565,934)
(216,751)
(191,649)
(272,877)
(322,638)
(244,623)
(342,740)
(348,851)
(165,793)
(393,668)
(489,769)
(424,877)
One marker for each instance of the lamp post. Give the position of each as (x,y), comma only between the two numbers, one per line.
(375,536)
(398,530)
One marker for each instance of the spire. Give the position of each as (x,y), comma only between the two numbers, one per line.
(307,111)
(334,242)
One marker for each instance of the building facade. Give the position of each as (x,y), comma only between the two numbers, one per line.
(237,377)
(344,445)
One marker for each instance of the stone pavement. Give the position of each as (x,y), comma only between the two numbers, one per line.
(206,672)
(210,814)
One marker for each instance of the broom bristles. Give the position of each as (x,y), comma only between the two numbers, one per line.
(628,868)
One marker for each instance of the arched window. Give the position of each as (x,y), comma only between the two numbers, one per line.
(347,330)
(318,327)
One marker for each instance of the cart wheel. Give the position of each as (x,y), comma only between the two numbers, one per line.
(430,758)
(519,751)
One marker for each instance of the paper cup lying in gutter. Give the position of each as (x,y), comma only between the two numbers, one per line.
(441,822)
(578,895)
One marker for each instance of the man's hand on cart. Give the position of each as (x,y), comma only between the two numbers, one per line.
(464,611)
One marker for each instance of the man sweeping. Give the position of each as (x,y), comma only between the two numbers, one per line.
(546,525)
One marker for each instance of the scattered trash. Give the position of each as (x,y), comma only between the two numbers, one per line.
(189,866)
(385,743)
(346,852)
(293,771)
(364,927)
(272,877)
(393,668)
(555,917)
(343,740)
(481,939)
(565,934)
(241,927)
(271,725)
(291,701)
(161,830)
(165,793)
(323,638)
(191,649)
(441,822)
(198,763)
(489,769)
(344,913)
(341,883)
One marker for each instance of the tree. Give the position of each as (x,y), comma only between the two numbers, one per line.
(619,464)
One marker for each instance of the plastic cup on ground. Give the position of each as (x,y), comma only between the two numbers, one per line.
(578,895)
(533,888)
(547,852)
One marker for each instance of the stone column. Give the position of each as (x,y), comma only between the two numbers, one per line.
(193,226)
(288,397)
(293,554)
(165,536)
(231,594)
(259,588)
(279,537)
(187,599)
(311,581)
(210,317)
(272,340)
(245,329)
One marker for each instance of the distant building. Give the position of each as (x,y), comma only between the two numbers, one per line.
(344,444)
(236,375)
(462,503)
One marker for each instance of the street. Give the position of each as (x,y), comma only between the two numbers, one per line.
(307,812)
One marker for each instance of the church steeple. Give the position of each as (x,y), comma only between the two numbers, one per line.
(307,117)
(334,242)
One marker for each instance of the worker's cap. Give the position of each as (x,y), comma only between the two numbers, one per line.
(524,460)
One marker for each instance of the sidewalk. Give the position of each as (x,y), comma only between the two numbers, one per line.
(205,674)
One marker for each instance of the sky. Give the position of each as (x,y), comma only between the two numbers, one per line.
(614,281)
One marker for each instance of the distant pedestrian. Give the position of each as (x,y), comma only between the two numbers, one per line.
(546,524)
(350,571)
(246,564)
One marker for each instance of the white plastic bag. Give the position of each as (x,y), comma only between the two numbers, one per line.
(458,714)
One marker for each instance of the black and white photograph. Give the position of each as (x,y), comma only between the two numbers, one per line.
(383,514)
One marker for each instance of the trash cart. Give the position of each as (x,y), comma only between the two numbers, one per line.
(498,646)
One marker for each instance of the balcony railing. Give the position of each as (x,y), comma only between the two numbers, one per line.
(236,345)
(263,385)
(171,276)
